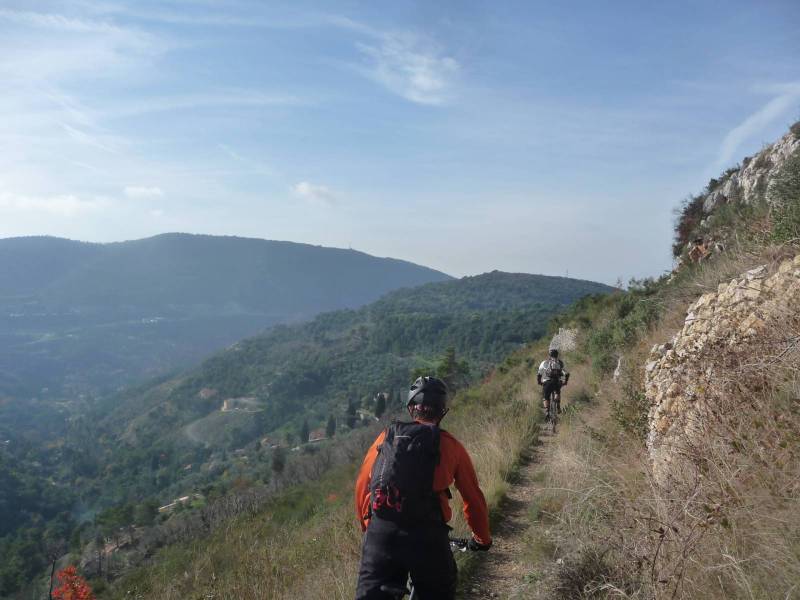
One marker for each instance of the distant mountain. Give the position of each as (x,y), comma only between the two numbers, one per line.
(78,317)
(310,371)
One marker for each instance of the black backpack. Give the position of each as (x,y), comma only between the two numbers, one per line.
(401,488)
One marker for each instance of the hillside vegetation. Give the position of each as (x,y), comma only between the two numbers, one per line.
(327,368)
(306,543)
(80,318)
(171,438)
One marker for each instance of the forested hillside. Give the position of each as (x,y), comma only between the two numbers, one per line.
(78,318)
(336,363)
(229,424)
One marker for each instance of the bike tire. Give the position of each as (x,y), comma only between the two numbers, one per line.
(552,413)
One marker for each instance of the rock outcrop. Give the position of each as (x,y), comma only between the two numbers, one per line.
(749,183)
(727,339)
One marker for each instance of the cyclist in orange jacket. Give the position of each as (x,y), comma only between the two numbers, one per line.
(402,501)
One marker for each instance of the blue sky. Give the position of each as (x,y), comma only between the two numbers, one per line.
(467,136)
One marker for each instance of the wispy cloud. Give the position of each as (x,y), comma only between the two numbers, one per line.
(254,166)
(50,48)
(57,21)
(780,106)
(404,62)
(85,138)
(233,98)
(313,193)
(137,191)
(404,66)
(65,205)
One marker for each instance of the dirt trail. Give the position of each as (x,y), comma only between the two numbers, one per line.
(505,571)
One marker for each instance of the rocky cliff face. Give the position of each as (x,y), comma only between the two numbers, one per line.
(750,183)
(721,361)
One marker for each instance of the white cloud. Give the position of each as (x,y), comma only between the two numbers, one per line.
(411,67)
(48,48)
(237,98)
(56,21)
(786,101)
(85,138)
(64,205)
(315,194)
(135,191)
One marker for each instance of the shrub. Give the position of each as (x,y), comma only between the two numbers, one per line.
(631,410)
(590,575)
(689,216)
(795,129)
(784,195)
(72,586)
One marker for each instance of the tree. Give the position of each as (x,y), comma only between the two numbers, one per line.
(145,513)
(304,432)
(453,372)
(278,460)
(99,544)
(54,548)
(330,428)
(351,414)
(380,405)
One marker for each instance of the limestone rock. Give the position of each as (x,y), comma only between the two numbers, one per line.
(683,378)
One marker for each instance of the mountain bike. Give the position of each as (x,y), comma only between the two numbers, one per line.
(553,410)
(398,593)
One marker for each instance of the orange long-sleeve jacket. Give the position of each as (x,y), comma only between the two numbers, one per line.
(454,465)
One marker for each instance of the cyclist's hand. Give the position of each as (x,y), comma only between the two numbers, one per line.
(475,546)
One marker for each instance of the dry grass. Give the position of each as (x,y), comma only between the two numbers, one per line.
(259,558)
(728,525)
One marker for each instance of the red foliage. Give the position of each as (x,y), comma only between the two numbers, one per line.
(72,586)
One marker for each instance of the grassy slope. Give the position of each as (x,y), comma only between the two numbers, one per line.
(306,545)
(733,532)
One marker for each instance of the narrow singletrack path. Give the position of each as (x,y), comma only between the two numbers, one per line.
(503,572)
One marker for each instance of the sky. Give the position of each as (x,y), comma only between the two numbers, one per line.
(468,136)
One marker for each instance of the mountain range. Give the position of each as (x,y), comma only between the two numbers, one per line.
(83,318)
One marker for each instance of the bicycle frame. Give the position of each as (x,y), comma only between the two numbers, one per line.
(553,405)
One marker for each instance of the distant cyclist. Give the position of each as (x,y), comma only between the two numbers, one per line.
(402,502)
(552,376)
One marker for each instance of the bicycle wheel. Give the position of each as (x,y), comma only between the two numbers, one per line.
(552,412)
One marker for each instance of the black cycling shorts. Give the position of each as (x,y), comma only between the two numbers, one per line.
(550,386)
(391,552)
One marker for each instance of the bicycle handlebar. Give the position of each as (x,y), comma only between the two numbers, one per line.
(460,543)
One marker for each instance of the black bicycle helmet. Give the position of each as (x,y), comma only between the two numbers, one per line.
(554,352)
(428,395)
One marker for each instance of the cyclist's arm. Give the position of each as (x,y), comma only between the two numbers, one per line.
(475,509)
(362,482)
